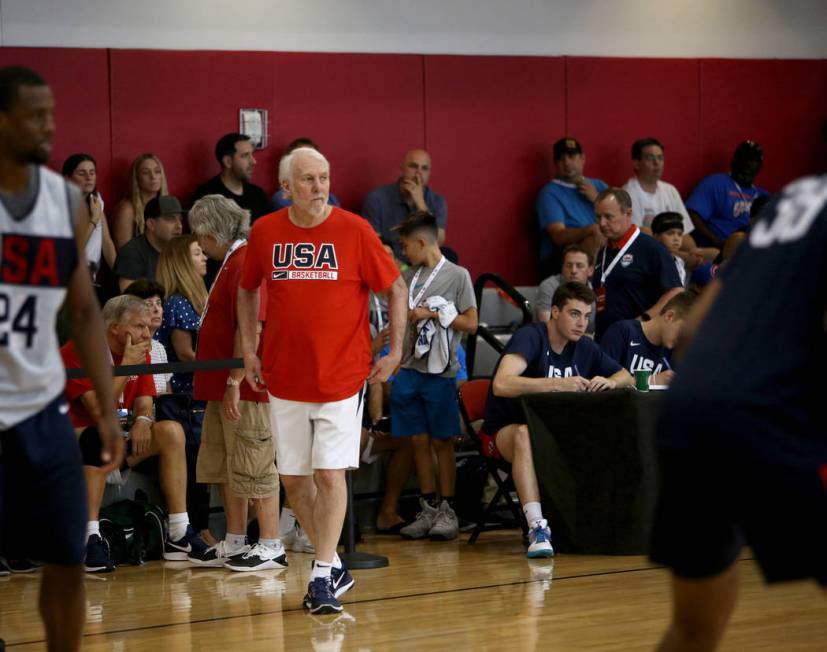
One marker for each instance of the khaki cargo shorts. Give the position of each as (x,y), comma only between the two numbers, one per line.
(240,454)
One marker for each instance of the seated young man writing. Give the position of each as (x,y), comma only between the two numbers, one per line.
(647,345)
(543,357)
(127,320)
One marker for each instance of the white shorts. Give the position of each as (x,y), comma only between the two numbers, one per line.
(312,436)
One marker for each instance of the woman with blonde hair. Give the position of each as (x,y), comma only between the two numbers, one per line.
(147,180)
(181,270)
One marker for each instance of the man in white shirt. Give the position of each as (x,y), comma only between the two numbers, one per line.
(652,196)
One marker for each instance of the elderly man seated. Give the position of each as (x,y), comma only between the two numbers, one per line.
(128,322)
(543,357)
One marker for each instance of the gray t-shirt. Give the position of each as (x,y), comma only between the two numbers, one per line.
(545,293)
(452,283)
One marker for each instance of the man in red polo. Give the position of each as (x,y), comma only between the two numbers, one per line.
(237,451)
(634,274)
(318,262)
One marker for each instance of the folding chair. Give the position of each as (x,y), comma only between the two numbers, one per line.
(472,397)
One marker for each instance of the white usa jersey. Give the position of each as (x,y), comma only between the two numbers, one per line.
(37,257)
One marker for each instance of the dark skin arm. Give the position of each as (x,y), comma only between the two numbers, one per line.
(89,336)
(703,229)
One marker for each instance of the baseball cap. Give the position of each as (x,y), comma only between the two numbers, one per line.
(665,221)
(566,145)
(749,150)
(162,205)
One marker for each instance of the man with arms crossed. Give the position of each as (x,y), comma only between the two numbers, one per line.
(543,357)
(741,438)
(319,262)
(43,497)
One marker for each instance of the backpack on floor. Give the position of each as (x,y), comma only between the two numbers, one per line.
(135,530)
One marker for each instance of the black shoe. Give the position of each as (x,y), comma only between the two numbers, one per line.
(97,556)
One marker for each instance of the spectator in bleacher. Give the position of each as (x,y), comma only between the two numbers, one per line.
(388,206)
(153,295)
(237,449)
(565,207)
(82,170)
(147,180)
(543,357)
(647,346)
(667,228)
(281,198)
(127,320)
(634,274)
(578,266)
(234,153)
(424,406)
(139,257)
(181,271)
(720,204)
(652,196)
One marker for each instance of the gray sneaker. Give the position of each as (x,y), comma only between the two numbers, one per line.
(423,523)
(446,524)
(297,540)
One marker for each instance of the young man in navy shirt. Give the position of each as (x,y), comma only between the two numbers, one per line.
(634,275)
(647,345)
(742,443)
(543,357)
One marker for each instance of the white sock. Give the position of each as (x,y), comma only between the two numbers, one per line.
(93,527)
(178,525)
(337,562)
(287,521)
(234,542)
(320,569)
(533,513)
(273,544)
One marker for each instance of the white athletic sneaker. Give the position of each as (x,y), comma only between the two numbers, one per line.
(446,524)
(539,541)
(259,557)
(296,540)
(423,523)
(215,556)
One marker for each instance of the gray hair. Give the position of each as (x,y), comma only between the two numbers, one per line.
(219,217)
(289,160)
(118,307)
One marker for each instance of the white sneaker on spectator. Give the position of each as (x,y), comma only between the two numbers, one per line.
(423,523)
(259,557)
(215,556)
(296,540)
(446,524)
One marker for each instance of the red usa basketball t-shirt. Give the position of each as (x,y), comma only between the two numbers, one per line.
(316,340)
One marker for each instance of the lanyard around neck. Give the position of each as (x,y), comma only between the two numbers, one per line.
(608,270)
(414,302)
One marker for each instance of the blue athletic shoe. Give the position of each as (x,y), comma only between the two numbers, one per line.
(539,541)
(97,556)
(191,542)
(320,599)
(342,581)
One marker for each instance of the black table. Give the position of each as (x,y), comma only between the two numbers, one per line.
(594,455)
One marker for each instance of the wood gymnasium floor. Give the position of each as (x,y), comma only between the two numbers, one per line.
(433,596)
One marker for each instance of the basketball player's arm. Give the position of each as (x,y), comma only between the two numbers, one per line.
(508,383)
(696,315)
(89,336)
(248,308)
(397,314)
(620,379)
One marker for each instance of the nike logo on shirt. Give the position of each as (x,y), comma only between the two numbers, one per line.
(634,343)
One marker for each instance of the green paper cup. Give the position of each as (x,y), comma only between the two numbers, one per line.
(642,380)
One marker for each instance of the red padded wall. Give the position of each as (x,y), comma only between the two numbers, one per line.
(489,120)
(613,102)
(79,79)
(781,104)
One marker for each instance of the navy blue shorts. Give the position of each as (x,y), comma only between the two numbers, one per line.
(424,403)
(42,490)
(712,504)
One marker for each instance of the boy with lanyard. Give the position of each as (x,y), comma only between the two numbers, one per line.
(423,395)
(647,345)
(548,356)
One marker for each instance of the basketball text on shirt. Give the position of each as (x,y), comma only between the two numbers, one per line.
(304,261)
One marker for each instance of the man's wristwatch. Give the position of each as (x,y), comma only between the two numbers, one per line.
(233,382)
